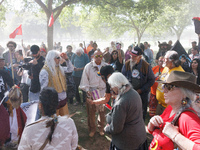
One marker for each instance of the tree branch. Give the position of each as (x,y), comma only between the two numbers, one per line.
(59,9)
(41,4)
(1,2)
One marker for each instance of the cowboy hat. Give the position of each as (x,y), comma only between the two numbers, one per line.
(182,79)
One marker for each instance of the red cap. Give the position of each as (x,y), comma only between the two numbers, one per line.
(43,50)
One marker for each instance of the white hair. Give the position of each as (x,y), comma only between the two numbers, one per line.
(79,50)
(117,79)
(170,53)
(49,61)
(188,93)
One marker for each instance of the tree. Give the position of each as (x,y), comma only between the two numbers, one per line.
(175,20)
(2,12)
(117,17)
(56,7)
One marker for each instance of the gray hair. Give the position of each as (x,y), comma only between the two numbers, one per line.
(118,80)
(79,50)
(49,61)
(173,57)
(170,53)
(190,97)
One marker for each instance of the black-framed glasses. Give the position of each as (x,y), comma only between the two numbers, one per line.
(58,57)
(169,87)
(96,56)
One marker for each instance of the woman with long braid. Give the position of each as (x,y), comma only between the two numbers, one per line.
(50,131)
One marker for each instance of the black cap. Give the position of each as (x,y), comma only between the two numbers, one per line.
(106,70)
(194,42)
(136,51)
(35,49)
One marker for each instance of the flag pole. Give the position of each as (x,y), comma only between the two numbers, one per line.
(11,63)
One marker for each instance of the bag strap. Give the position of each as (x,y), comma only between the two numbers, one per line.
(47,140)
(175,120)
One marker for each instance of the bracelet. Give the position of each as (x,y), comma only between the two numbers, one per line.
(173,139)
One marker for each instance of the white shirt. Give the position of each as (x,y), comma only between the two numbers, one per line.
(90,80)
(65,136)
(44,79)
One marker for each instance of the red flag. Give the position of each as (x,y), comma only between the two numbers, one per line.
(51,20)
(18,31)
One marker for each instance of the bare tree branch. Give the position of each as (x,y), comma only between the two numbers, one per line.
(1,2)
(41,4)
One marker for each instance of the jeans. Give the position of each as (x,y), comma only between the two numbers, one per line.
(35,97)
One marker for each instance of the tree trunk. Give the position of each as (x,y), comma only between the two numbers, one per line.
(49,36)
(178,35)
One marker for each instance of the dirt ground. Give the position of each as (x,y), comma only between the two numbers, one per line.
(97,142)
(85,142)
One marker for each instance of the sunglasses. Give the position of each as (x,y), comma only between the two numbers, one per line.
(169,87)
(96,56)
(58,57)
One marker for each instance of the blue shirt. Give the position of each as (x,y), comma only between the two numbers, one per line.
(79,62)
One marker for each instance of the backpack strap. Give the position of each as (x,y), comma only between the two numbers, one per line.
(175,120)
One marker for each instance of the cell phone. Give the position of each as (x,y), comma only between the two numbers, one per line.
(118,46)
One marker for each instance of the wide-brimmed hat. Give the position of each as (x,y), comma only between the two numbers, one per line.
(182,79)
(164,43)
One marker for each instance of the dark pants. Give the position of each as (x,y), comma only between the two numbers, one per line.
(24,89)
(77,81)
(144,146)
(144,97)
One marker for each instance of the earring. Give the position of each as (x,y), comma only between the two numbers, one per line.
(184,101)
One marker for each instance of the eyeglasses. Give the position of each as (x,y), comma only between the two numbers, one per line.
(10,46)
(169,87)
(58,57)
(96,56)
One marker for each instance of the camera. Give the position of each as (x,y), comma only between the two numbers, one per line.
(26,65)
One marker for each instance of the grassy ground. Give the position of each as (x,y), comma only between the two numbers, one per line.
(97,142)
(85,142)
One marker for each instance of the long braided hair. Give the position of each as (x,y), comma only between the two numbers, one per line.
(49,100)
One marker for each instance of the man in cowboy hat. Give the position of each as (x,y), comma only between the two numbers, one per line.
(163,48)
(140,75)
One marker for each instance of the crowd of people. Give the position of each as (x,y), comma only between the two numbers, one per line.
(127,82)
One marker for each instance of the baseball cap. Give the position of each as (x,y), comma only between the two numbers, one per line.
(35,49)
(136,51)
